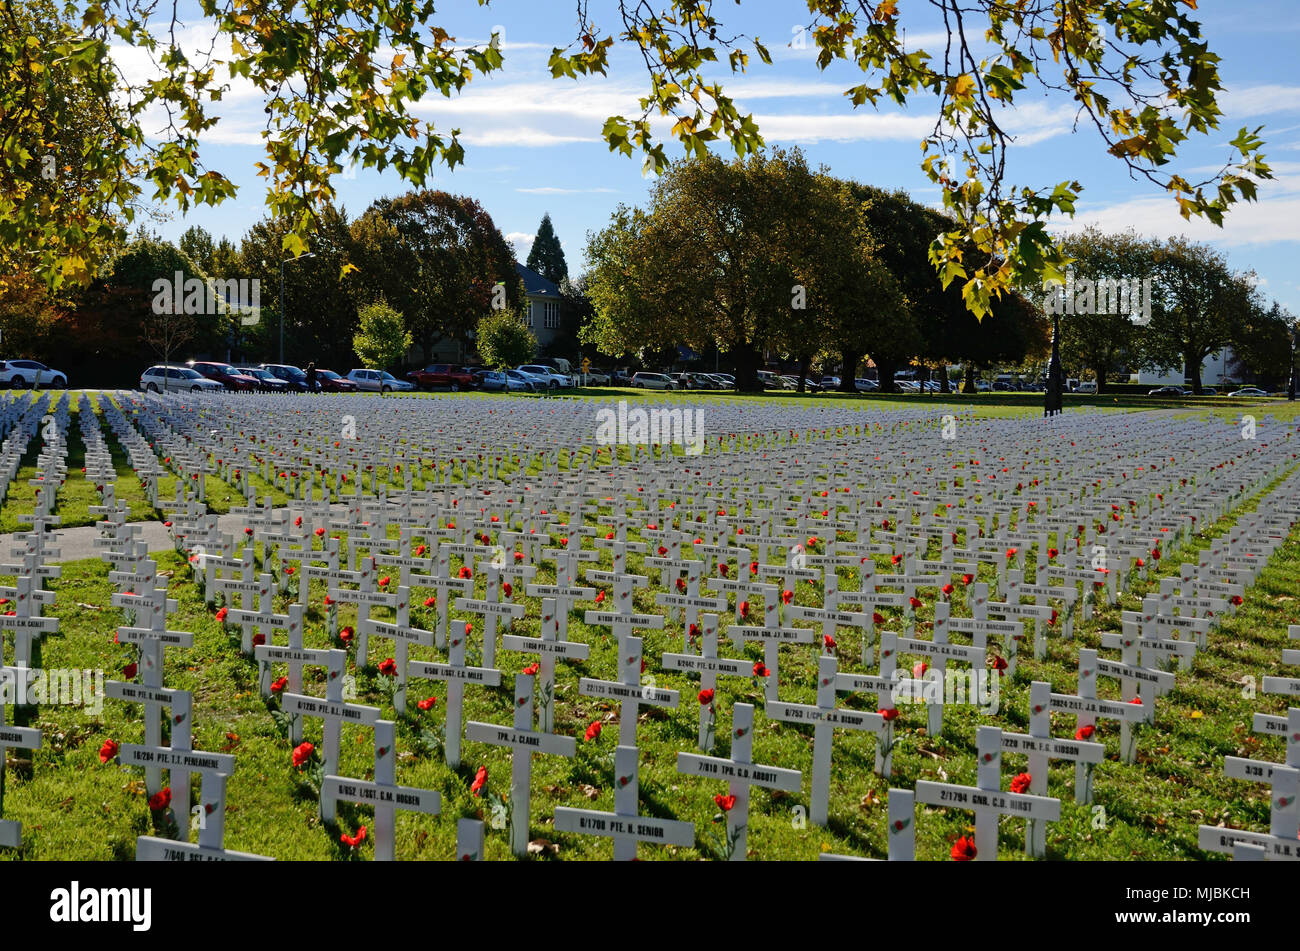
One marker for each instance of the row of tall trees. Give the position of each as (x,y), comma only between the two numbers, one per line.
(436,260)
(769,257)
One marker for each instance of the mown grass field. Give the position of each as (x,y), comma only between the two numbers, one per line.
(73,806)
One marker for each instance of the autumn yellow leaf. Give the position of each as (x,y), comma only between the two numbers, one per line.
(963,86)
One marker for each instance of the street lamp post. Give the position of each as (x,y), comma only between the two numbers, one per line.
(303,257)
(1290,383)
(1055,381)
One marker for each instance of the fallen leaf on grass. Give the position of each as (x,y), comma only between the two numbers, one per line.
(590,791)
(540,846)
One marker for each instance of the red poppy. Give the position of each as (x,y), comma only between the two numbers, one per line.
(919,669)
(388,667)
(480,780)
(427,703)
(108,750)
(1021,783)
(431,601)
(1236,599)
(161,799)
(890,714)
(877,617)
(722,569)
(1051,553)
(1011,553)
(352,841)
(915,603)
(828,642)
(999,662)
(753,567)
(787,596)
(593,731)
(725,803)
(531,669)
(967,579)
(464,572)
(302,753)
(947,589)
(760,670)
(963,850)
(221,615)
(259,640)
(1084,732)
(279,684)
(506,589)
(681,584)
(345,634)
(705,697)
(600,596)
(662,551)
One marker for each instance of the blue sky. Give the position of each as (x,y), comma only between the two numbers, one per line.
(533,143)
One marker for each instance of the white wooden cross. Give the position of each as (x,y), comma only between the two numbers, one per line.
(212,832)
(525,742)
(11,737)
(403,636)
(491,609)
(772,635)
(740,772)
(1284,813)
(1041,749)
(332,711)
(708,665)
(456,674)
(825,717)
(986,798)
(624,825)
(383,792)
(548,648)
(628,689)
(1087,710)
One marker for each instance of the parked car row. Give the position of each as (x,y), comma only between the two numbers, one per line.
(24,374)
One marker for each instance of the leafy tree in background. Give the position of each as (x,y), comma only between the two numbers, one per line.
(196,244)
(1261,345)
(381,339)
(1105,343)
(546,256)
(1142,74)
(1198,305)
(439,259)
(504,340)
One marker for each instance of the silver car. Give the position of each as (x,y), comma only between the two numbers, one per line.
(379,381)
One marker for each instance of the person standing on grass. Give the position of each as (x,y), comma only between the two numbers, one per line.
(311,377)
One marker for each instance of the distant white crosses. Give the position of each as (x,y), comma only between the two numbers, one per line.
(524,741)
(740,772)
(987,800)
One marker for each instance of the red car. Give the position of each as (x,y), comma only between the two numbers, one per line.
(442,374)
(331,382)
(226,375)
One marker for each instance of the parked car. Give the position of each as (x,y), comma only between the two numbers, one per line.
(378,381)
(596,377)
(295,379)
(863,385)
(158,379)
(1207,391)
(267,382)
(491,380)
(442,375)
(729,381)
(622,377)
(830,383)
(19,374)
(1167,391)
(654,381)
(1248,391)
(983,386)
(1087,386)
(331,382)
(526,382)
(554,378)
(225,374)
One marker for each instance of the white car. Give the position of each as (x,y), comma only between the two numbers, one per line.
(20,374)
(1248,391)
(379,381)
(158,379)
(596,377)
(1087,386)
(554,378)
(654,381)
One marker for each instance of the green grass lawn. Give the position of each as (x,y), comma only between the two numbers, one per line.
(72,806)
